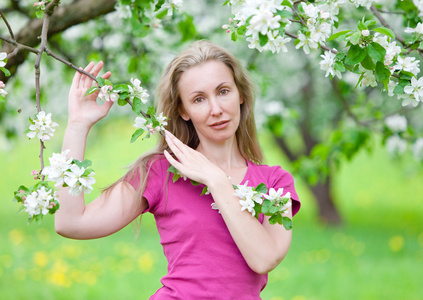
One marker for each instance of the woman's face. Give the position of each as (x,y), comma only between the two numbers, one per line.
(211,100)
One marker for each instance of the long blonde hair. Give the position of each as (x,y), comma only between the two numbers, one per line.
(168,101)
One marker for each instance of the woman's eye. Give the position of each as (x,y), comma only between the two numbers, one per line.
(198,99)
(224,91)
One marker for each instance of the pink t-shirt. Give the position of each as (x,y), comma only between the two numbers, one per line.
(203,259)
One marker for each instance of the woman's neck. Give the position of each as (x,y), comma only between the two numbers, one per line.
(226,155)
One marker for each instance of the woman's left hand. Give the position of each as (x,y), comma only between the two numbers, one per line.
(192,163)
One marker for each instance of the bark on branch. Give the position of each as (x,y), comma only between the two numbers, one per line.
(63,18)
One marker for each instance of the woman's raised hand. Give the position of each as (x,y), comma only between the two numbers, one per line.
(84,110)
(192,163)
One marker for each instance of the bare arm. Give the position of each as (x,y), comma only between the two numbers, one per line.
(112,210)
(263,246)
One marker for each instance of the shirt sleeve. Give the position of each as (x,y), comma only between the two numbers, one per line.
(156,175)
(283,179)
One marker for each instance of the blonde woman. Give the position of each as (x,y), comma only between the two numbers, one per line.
(211,138)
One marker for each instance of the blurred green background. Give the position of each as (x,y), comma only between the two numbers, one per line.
(376,254)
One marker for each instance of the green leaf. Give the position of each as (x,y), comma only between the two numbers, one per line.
(267,204)
(91,90)
(194,183)
(119,88)
(338,35)
(172,169)
(204,191)
(370,23)
(355,38)
(137,105)
(355,55)
(261,188)
(287,3)
(175,177)
(361,26)
(122,102)
(382,72)
(39,14)
(263,39)
(234,36)
(5,71)
(100,81)
(287,223)
(137,134)
(385,31)
(399,89)
(277,218)
(187,28)
(368,63)
(376,51)
(226,2)
(257,209)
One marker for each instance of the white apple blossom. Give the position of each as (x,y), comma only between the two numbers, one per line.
(418,30)
(328,64)
(254,43)
(140,123)
(415,89)
(417,150)
(408,99)
(77,181)
(365,32)
(172,5)
(395,145)
(310,10)
(277,198)
(38,202)
(369,78)
(43,127)
(364,3)
(408,64)
(162,120)
(264,20)
(59,163)
(419,5)
(320,32)
(136,91)
(396,123)
(3,56)
(306,43)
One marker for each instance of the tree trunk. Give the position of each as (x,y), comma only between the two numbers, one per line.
(327,210)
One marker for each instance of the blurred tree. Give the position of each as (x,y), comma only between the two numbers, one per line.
(317,122)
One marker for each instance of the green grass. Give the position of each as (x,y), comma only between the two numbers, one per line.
(376,254)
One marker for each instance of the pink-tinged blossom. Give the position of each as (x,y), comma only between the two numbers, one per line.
(106,94)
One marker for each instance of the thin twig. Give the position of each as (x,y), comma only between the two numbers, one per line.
(145,115)
(7,24)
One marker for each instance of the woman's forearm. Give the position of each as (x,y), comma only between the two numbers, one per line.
(263,246)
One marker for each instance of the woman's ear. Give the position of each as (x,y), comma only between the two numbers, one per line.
(241,101)
(183,113)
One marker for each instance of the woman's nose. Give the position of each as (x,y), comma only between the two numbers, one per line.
(216,109)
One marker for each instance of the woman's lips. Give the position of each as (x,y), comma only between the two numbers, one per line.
(220,124)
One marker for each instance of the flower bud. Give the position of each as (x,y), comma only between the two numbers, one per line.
(365,32)
(227,31)
(2,85)
(34,172)
(225,26)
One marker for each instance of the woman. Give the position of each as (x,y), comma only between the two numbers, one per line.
(211,138)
